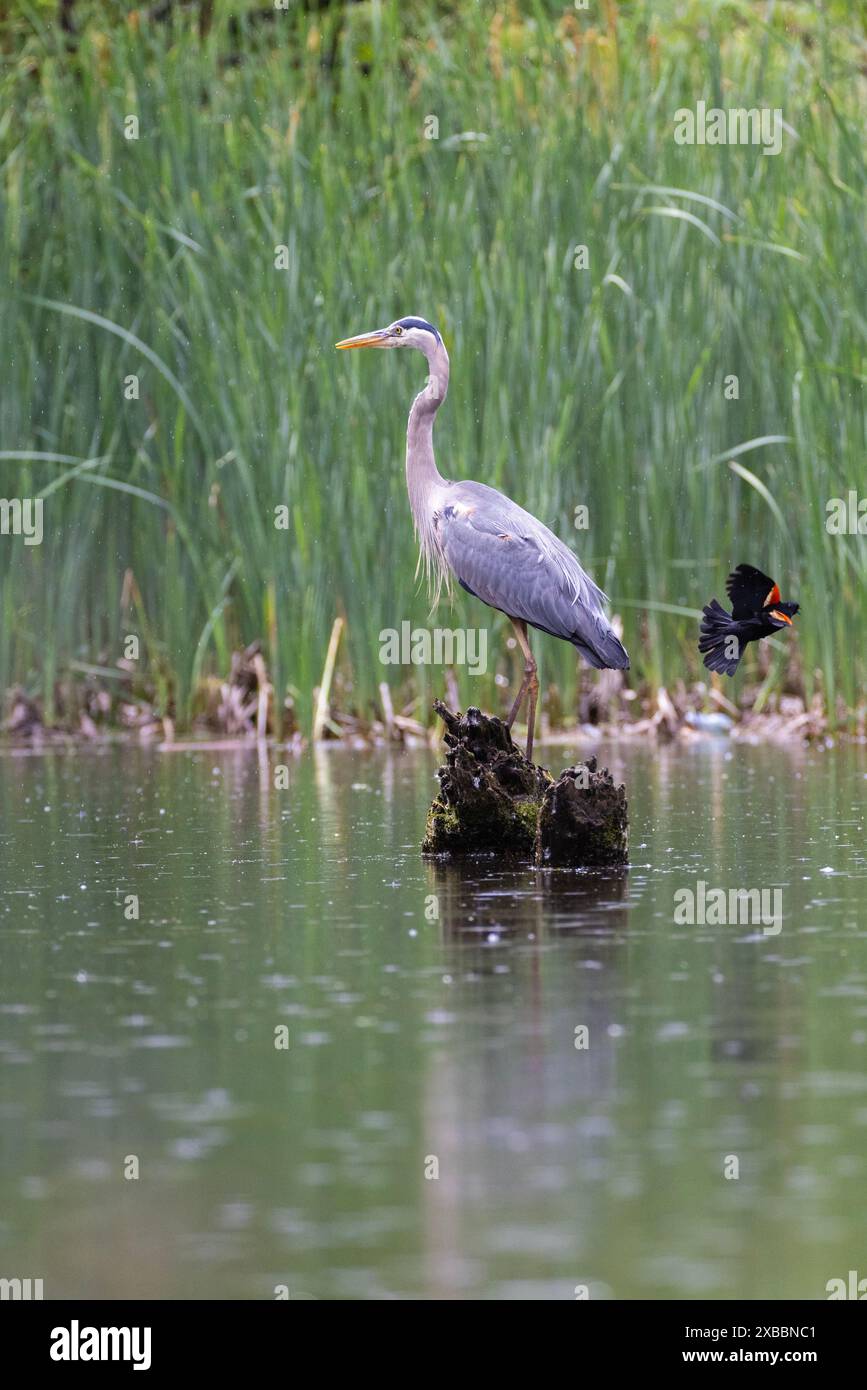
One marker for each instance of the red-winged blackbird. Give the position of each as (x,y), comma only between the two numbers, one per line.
(757,611)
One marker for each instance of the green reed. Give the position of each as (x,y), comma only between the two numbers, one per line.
(598,387)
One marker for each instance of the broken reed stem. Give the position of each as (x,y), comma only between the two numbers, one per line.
(387,707)
(264,691)
(321,715)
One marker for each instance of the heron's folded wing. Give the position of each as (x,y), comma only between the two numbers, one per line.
(514,563)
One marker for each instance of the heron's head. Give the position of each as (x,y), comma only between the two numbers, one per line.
(410,332)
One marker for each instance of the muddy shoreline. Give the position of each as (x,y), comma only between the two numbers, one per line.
(241,709)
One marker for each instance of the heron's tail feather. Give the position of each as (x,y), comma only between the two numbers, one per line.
(607,652)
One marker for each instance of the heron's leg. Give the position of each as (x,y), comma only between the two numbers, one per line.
(532,696)
(521,634)
(530,684)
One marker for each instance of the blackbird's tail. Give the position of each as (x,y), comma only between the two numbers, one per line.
(719,640)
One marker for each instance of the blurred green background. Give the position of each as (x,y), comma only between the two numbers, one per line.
(600,387)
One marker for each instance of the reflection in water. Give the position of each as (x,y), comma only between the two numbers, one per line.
(493,1107)
(300,901)
(477,902)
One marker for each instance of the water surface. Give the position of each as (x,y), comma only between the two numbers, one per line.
(429,1016)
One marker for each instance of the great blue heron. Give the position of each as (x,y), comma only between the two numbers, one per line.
(496,551)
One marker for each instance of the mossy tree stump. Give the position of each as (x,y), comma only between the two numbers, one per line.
(583,820)
(492,800)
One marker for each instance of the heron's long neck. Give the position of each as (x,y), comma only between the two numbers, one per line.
(422,474)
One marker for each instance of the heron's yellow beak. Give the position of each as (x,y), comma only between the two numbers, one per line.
(378,339)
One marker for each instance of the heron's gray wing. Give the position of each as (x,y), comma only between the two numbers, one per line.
(511,561)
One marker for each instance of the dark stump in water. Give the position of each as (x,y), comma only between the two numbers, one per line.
(583,820)
(489,794)
(492,800)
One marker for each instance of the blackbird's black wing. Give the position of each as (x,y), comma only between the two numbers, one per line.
(750,591)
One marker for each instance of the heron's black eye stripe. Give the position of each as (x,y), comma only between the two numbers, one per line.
(419,323)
